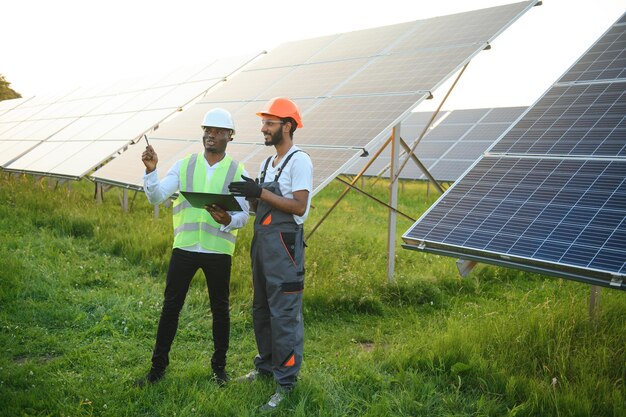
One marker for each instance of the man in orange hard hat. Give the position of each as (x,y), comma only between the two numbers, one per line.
(281,199)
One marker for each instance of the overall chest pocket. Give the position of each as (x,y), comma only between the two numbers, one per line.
(288,240)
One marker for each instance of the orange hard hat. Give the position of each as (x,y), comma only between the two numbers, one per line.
(282,107)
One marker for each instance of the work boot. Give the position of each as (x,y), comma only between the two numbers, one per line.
(153,376)
(274,400)
(221,377)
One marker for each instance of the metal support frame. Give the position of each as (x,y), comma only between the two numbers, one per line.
(465,266)
(406,216)
(99,193)
(594,302)
(421,166)
(396,169)
(124,200)
(411,151)
(393,202)
(354,181)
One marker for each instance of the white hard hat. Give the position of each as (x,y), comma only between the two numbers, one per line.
(219,118)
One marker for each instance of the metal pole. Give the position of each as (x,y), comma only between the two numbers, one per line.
(393,202)
(594,302)
(125,200)
(421,166)
(99,193)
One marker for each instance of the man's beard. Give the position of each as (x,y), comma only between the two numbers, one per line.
(275,138)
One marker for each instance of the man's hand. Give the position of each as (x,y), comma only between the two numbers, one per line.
(248,188)
(149,159)
(219,214)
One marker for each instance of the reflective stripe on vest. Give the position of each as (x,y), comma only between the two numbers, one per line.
(196,226)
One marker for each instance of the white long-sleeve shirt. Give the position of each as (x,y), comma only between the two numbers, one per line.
(159,191)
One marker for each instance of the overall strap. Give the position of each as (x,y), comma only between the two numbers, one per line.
(267,162)
(280,170)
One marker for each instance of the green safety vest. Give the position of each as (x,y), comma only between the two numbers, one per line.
(192,225)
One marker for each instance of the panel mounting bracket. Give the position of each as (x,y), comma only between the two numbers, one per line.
(465,266)
(617,281)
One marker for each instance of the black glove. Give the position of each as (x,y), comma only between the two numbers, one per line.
(248,188)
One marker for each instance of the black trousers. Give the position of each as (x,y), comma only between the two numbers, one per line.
(183,266)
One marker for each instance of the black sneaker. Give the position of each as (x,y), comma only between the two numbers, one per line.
(152,377)
(221,377)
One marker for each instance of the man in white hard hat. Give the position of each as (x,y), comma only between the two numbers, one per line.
(203,238)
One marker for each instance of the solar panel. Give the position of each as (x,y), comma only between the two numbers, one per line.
(466,116)
(605,60)
(69,131)
(551,213)
(352,88)
(573,120)
(10,104)
(462,28)
(550,195)
(404,72)
(126,170)
(458,139)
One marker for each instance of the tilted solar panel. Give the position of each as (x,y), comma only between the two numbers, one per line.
(352,88)
(605,60)
(550,195)
(72,133)
(550,213)
(448,149)
(575,120)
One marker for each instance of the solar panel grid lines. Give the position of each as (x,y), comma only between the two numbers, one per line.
(355,121)
(11,150)
(421,70)
(534,224)
(463,151)
(292,53)
(341,107)
(473,26)
(550,196)
(9,105)
(28,111)
(573,120)
(458,138)
(313,80)
(97,122)
(604,60)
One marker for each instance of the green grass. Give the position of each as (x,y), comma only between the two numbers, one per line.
(81,288)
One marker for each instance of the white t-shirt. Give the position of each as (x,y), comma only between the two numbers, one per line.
(297,176)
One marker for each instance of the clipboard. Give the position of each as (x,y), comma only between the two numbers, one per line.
(199,200)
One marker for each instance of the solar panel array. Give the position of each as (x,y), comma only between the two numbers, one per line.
(550,196)
(351,89)
(456,140)
(69,134)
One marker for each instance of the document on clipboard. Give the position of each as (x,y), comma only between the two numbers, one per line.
(199,200)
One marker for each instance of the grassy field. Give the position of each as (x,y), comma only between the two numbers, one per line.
(81,289)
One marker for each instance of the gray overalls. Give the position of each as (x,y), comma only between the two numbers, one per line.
(277,255)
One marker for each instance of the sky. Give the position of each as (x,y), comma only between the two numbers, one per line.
(52,46)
